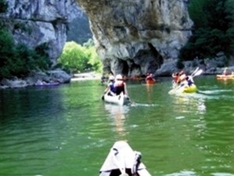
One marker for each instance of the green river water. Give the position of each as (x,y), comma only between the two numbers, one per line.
(68,131)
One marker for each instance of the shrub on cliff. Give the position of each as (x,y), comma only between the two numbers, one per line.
(18,60)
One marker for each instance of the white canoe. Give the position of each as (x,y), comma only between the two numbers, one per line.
(118,99)
(123,160)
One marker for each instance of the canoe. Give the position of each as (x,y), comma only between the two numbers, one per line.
(123,160)
(184,89)
(117,99)
(225,77)
(150,82)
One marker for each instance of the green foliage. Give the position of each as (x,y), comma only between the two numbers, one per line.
(80,58)
(213,29)
(198,13)
(18,60)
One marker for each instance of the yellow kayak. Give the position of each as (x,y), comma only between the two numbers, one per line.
(225,77)
(184,89)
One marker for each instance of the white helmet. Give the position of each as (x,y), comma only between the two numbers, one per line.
(119,77)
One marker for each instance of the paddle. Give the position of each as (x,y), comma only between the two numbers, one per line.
(195,71)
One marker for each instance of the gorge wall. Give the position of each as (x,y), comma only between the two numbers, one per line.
(132,36)
(37,22)
(137,36)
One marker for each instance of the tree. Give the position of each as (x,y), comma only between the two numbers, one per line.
(212,32)
(76,57)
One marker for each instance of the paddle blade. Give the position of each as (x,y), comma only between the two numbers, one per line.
(195,71)
(199,72)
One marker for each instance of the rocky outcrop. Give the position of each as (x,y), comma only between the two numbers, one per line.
(52,76)
(138,36)
(39,22)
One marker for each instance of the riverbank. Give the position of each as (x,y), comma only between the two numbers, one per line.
(86,76)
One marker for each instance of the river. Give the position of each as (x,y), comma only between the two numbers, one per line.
(68,130)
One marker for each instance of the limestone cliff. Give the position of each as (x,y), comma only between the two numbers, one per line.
(36,22)
(137,36)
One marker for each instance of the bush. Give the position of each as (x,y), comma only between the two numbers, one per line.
(18,60)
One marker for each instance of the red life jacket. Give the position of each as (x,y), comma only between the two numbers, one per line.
(119,87)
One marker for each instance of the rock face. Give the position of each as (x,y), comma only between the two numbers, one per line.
(137,36)
(38,22)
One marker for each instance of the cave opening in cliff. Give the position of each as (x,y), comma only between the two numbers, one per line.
(156,54)
(125,68)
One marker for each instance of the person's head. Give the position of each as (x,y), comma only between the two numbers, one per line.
(119,77)
(111,78)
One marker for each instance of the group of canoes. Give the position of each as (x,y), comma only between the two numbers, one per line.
(122,160)
(116,91)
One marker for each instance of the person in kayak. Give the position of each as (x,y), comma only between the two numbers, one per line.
(189,80)
(120,85)
(149,77)
(182,77)
(185,80)
(110,87)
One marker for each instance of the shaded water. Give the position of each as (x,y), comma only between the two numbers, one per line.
(68,130)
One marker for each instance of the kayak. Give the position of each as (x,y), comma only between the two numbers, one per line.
(122,160)
(120,99)
(184,89)
(225,77)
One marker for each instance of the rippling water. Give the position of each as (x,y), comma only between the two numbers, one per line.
(68,130)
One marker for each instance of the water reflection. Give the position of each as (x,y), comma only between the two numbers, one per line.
(31,102)
(117,113)
(189,103)
(149,88)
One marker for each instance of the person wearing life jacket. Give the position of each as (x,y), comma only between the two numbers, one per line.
(182,80)
(120,85)
(149,77)
(182,77)
(110,87)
